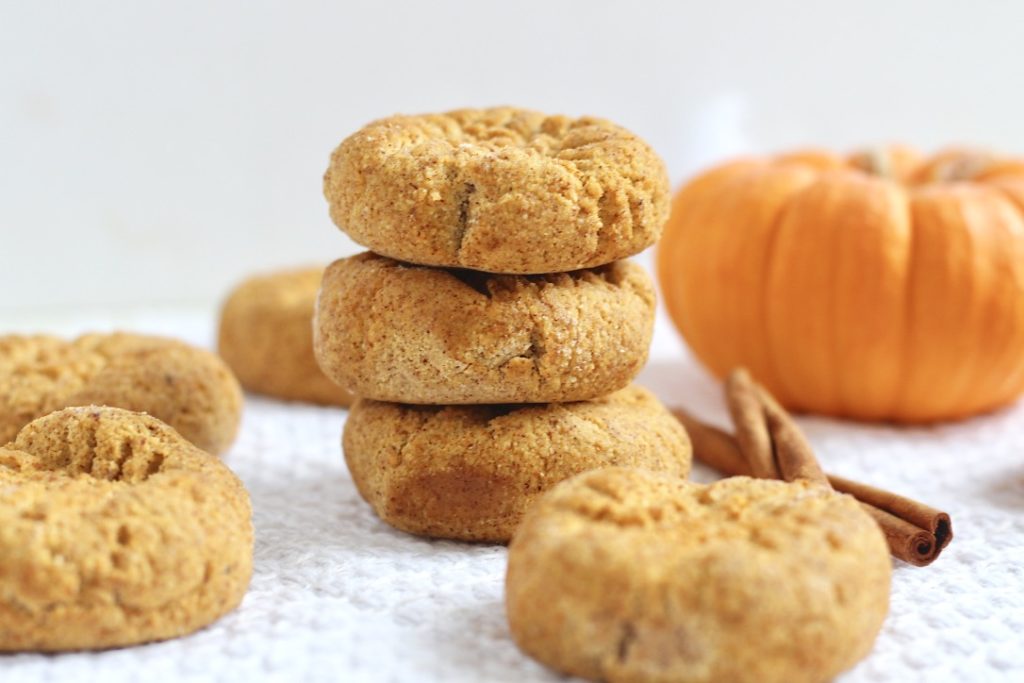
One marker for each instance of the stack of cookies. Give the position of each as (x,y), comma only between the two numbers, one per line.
(493,330)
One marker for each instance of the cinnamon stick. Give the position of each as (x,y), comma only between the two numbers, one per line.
(793,454)
(769,440)
(748,417)
(929,530)
(915,532)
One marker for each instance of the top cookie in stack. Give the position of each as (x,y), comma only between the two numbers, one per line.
(501,190)
(496,277)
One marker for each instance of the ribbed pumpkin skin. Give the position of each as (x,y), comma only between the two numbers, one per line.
(849,293)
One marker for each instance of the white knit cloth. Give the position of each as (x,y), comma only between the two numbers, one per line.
(339,596)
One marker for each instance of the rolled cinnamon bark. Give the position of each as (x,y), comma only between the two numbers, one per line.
(748,417)
(916,533)
(927,530)
(793,454)
(769,440)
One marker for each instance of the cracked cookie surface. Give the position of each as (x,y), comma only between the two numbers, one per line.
(470,472)
(502,190)
(115,530)
(624,575)
(409,334)
(190,389)
(266,337)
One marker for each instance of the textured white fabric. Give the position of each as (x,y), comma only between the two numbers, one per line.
(339,596)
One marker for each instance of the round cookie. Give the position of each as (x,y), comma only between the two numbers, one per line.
(502,190)
(115,530)
(188,388)
(266,338)
(623,575)
(470,472)
(410,334)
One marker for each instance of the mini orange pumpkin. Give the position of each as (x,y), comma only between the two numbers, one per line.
(881,285)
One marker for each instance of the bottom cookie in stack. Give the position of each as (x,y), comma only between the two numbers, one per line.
(470,472)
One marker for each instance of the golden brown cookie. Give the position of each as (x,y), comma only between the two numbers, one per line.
(502,190)
(266,337)
(115,530)
(624,575)
(188,388)
(411,334)
(470,472)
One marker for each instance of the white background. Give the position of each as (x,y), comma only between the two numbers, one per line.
(151,154)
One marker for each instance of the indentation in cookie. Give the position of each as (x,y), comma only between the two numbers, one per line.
(460,231)
(87,440)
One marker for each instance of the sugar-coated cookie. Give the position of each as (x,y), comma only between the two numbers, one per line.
(470,472)
(391,331)
(624,575)
(266,337)
(502,190)
(115,530)
(188,388)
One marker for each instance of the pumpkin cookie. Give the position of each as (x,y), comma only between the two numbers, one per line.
(470,472)
(266,337)
(502,190)
(188,388)
(395,332)
(115,530)
(624,575)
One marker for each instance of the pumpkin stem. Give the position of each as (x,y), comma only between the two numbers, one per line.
(964,166)
(876,161)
